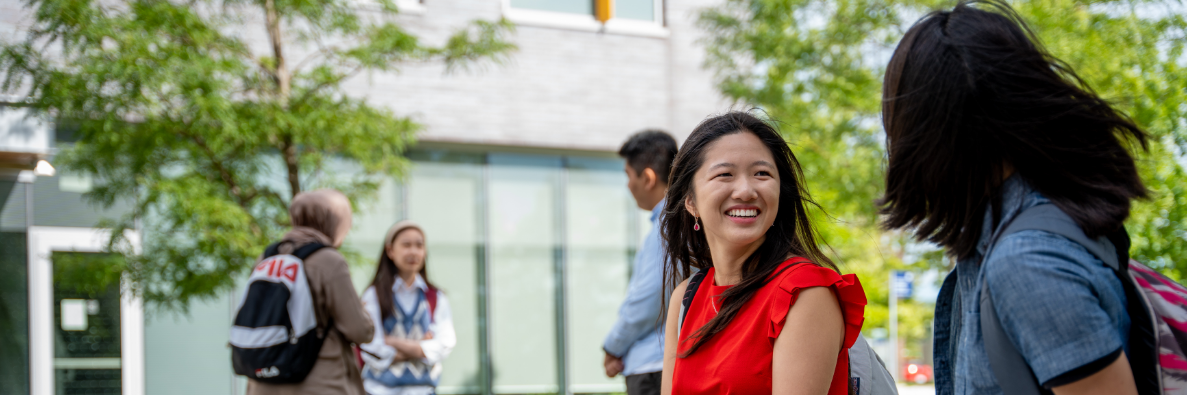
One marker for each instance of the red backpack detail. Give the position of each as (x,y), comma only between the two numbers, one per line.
(431,297)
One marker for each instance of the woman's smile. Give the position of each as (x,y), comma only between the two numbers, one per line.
(743,214)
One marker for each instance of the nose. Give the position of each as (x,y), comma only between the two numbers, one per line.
(744,190)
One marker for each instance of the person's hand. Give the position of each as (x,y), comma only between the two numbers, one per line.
(396,342)
(613,365)
(428,336)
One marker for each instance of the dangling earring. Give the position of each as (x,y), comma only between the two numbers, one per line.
(696,225)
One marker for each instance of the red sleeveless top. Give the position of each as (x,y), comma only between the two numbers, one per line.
(737,360)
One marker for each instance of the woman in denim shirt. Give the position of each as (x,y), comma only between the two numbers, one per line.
(982,123)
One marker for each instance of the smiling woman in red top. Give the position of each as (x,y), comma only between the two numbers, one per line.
(772,314)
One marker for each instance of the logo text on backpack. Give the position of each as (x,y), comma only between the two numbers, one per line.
(277,267)
(267,372)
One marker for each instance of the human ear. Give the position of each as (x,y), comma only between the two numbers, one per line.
(650,179)
(691,205)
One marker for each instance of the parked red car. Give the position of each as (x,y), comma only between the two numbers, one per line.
(917,373)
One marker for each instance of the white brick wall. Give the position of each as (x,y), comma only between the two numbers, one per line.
(562,89)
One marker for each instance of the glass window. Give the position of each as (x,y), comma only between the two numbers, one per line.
(635,9)
(14,291)
(87,324)
(641,10)
(12,206)
(445,199)
(524,257)
(568,6)
(598,220)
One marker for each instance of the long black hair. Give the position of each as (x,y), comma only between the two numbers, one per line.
(969,97)
(386,273)
(791,234)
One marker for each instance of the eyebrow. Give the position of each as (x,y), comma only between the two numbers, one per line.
(731,165)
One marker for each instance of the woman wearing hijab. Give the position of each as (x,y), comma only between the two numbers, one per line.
(412,319)
(323,216)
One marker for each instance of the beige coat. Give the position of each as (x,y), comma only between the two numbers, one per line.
(336,371)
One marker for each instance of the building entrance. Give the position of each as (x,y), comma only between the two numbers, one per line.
(85,331)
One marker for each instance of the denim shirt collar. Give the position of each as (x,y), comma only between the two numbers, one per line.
(1014,194)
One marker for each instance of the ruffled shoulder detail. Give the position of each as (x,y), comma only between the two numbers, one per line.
(806,274)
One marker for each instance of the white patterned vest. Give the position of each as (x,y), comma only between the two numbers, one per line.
(408,325)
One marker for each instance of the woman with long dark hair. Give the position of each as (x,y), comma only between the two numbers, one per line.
(982,125)
(771,315)
(413,322)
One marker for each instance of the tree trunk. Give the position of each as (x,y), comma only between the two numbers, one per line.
(283,85)
(283,80)
(289,150)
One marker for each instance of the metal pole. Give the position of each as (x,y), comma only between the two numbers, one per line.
(486,366)
(893,362)
(561,277)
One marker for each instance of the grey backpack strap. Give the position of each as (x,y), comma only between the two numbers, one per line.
(1009,367)
(690,291)
(1048,217)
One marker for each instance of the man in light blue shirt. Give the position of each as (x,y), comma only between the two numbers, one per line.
(635,345)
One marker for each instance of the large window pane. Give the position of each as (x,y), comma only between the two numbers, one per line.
(200,335)
(524,254)
(445,199)
(14,291)
(635,9)
(569,6)
(369,225)
(599,213)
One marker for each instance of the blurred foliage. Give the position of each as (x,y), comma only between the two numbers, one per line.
(208,133)
(88,274)
(816,67)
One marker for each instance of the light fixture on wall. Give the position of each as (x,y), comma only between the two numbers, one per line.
(603,10)
(44,169)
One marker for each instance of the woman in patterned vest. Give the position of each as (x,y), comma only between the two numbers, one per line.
(404,358)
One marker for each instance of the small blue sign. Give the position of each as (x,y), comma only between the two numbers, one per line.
(903,283)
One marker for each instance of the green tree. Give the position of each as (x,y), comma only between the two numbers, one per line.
(816,67)
(208,136)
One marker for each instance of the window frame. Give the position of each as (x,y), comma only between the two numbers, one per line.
(587,23)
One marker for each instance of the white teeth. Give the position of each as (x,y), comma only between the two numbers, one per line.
(742,213)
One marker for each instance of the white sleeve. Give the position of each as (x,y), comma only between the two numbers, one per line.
(377,355)
(444,338)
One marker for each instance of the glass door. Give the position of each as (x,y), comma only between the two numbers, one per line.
(86,336)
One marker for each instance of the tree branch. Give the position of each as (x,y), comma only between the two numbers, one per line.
(283,78)
(224,174)
(330,82)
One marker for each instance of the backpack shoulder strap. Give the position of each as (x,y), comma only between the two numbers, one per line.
(431,297)
(272,250)
(1050,218)
(694,283)
(306,250)
(1009,367)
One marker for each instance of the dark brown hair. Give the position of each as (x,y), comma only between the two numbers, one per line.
(386,273)
(969,97)
(791,234)
(651,148)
